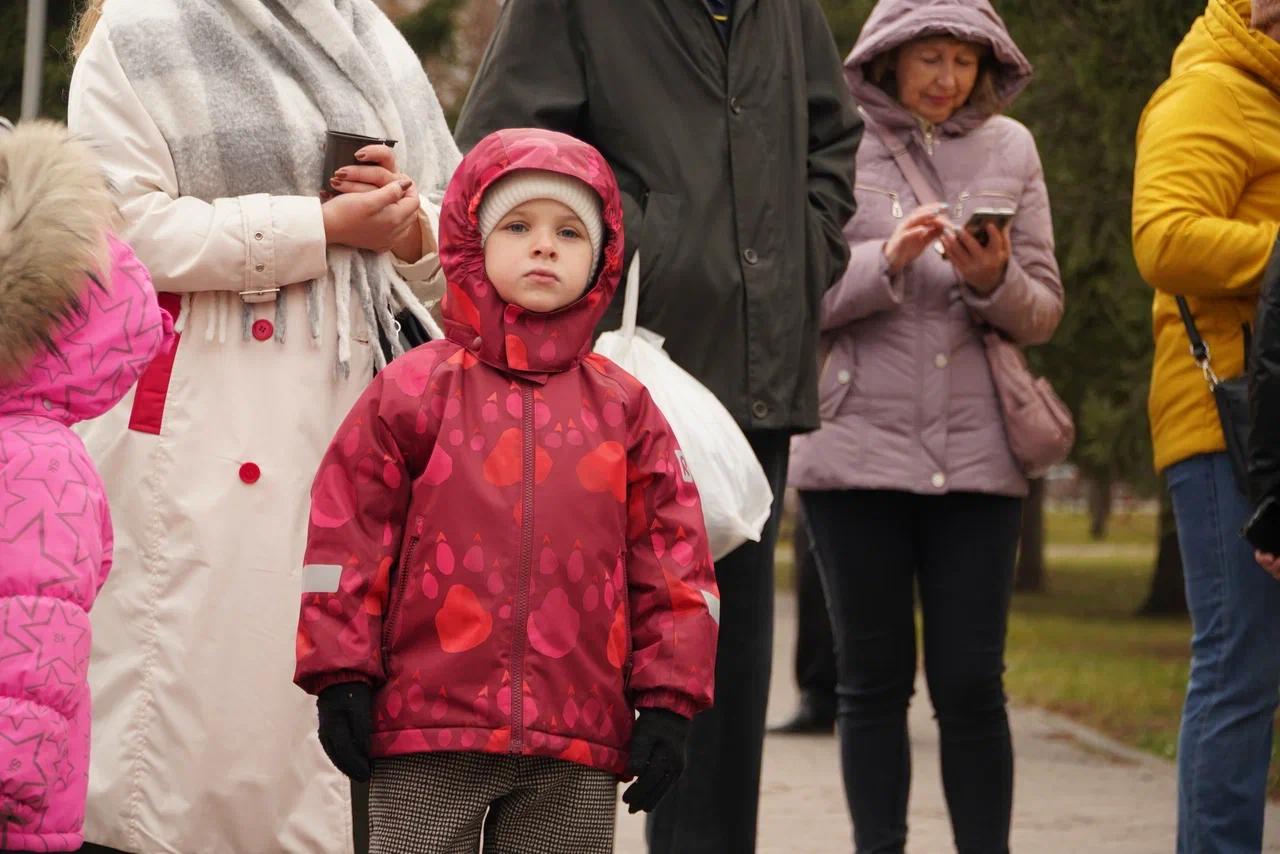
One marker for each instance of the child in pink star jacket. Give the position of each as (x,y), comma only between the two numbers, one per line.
(79,324)
(506,559)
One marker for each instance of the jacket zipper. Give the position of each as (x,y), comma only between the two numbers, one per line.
(626,624)
(393,605)
(896,209)
(928,140)
(966,195)
(526,566)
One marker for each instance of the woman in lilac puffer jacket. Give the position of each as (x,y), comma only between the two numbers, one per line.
(910,479)
(78,324)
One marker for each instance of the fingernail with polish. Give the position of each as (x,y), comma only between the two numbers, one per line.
(406,184)
(335,181)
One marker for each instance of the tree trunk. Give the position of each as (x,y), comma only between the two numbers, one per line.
(1168,596)
(1029,577)
(1099,497)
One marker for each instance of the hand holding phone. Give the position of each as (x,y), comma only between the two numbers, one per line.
(982,217)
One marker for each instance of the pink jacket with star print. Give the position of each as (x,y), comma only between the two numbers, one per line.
(505,514)
(71,344)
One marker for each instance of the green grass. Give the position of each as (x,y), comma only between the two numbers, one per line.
(1078,648)
(1124,528)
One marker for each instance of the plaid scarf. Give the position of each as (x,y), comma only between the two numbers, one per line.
(243,92)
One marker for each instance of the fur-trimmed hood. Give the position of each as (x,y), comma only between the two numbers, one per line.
(79,320)
(55,211)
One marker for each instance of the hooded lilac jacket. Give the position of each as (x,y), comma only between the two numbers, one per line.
(69,350)
(905,394)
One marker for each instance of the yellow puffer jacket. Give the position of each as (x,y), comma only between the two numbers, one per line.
(1206,209)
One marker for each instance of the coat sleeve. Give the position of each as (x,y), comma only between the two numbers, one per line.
(1027,305)
(359,503)
(834,133)
(1195,160)
(672,599)
(530,76)
(865,288)
(425,277)
(188,244)
(1264,389)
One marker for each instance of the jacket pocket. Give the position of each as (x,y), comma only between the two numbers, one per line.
(657,230)
(970,200)
(395,599)
(835,374)
(889,200)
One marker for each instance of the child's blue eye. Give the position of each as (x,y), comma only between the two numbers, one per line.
(517,227)
(569,234)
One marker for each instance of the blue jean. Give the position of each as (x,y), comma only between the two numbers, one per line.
(1225,744)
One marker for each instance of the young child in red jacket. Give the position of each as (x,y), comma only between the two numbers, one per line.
(506,558)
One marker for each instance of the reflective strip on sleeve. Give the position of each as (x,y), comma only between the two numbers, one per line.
(321,578)
(713,605)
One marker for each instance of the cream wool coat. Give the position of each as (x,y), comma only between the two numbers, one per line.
(200,741)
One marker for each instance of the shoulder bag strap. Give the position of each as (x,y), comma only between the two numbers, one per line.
(920,185)
(1199,349)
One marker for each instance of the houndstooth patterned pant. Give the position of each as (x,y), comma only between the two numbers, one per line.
(442,803)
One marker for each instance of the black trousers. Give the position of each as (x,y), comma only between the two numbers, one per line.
(873,548)
(713,806)
(815,663)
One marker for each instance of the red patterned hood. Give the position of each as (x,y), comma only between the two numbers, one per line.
(506,336)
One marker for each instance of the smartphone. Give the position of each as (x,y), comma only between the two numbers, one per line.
(1263,528)
(977,224)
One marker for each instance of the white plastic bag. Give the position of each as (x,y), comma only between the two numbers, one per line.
(736,498)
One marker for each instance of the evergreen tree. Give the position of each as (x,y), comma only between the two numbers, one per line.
(57,58)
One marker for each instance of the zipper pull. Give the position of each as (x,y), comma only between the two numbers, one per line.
(896,210)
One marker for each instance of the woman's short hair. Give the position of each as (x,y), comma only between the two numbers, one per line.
(882,71)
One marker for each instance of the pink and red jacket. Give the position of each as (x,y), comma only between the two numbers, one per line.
(503,515)
(71,346)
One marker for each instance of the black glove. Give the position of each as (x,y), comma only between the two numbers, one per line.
(657,757)
(346,721)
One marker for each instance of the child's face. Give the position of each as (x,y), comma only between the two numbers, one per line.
(539,256)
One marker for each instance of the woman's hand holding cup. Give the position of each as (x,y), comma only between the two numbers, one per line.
(913,235)
(381,220)
(391,218)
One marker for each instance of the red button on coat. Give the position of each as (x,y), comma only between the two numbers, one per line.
(263,330)
(249,472)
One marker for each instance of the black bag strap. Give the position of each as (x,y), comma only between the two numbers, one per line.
(1199,349)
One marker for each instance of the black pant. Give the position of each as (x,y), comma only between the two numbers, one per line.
(960,549)
(815,647)
(712,808)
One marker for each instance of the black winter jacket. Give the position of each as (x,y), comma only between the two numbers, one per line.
(735,163)
(1264,388)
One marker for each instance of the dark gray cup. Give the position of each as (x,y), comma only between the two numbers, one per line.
(340,150)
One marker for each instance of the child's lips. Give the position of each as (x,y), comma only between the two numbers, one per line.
(544,277)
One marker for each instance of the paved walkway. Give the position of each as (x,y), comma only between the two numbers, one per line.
(1076,791)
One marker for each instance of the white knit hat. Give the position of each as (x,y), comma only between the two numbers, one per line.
(513,190)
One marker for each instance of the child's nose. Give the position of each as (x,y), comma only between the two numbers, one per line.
(545,244)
